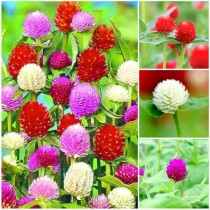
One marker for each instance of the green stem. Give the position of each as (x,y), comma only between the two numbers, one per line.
(130,90)
(13,178)
(195,151)
(62,111)
(176,121)
(42,171)
(108,170)
(99,181)
(33,96)
(72,160)
(38,41)
(164,56)
(9,121)
(65,41)
(174,189)
(159,155)
(114,111)
(126,145)
(83,203)
(39,142)
(181,57)
(177,147)
(143,11)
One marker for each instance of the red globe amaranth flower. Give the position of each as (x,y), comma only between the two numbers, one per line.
(64,14)
(91,65)
(171,45)
(199,57)
(109,142)
(65,122)
(35,119)
(169,65)
(175,12)
(185,32)
(103,38)
(199,5)
(164,24)
(21,55)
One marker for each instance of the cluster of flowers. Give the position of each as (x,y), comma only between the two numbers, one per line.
(25,65)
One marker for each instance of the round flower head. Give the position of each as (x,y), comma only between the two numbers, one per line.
(117,93)
(100,202)
(82,21)
(12,141)
(35,119)
(175,12)
(79,180)
(44,156)
(122,198)
(84,100)
(36,25)
(31,78)
(171,64)
(8,196)
(127,173)
(8,103)
(164,24)
(64,14)
(128,72)
(60,90)
(24,200)
(21,55)
(169,95)
(26,136)
(141,172)
(59,60)
(176,170)
(131,114)
(75,141)
(44,188)
(91,65)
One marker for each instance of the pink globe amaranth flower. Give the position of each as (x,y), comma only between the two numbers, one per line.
(131,113)
(36,25)
(44,188)
(26,136)
(100,202)
(176,169)
(8,103)
(8,196)
(82,21)
(59,60)
(44,156)
(141,172)
(75,141)
(60,90)
(84,100)
(127,173)
(24,200)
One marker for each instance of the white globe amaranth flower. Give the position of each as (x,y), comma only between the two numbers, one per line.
(31,78)
(128,72)
(12,160)
(79,180)
(13,141)
(122,198)
(117,93)
(169,95)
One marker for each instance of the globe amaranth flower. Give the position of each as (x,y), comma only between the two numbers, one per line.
(99,202)
(11,160)
(44,188)
(26,137)
(122,198)
(127,173)
(59,60)
(164,24)
(117,93)
(31,78)
(36,25)
(75,141)
(128,72)
(141,172)
(7,100)
(176,169)
(131,114)
(82,21)
(8,195)
(24,200)
(79,180)
(84,100)
(169,95)
(60,90)
(12,141)
(44,156)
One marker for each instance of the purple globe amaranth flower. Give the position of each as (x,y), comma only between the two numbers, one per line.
(176,169)
(75,141)
(131,113)
(60,89)
(36,25)
(82,21)
(8,196)
(141,172)
(100,202)
(8,103)
(24,200)
(127,173)
(59,60)
(84,100)
(44,156)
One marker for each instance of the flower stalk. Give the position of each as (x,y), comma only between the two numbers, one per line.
(176,121)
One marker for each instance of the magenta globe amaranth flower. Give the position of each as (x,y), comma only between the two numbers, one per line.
(100,202)
(60,90)
(131,113)
(127,173)
(176,169)
(75,141)
(36,25)
(24,200)
(59,60)
(8,196)
(84,100)
(141,172)
(82,21)
(8,103)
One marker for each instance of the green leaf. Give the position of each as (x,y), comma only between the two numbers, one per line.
(30,148)
(18,169)
(52,140)
(20,40)
(200,39)
(101,117)
(17,94)
(111,114)
(7,80)
(71,206)
(143,26)
(130,128)
(158,178)
(32,203)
